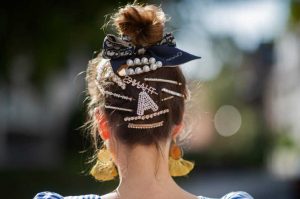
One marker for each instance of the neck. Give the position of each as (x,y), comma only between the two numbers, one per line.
(143,168)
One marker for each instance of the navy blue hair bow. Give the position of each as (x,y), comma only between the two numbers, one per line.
(119,49)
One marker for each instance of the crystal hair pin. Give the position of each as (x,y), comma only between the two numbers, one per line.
(117,95)
(105,71)
(167,98)
(145,126)
(172,92)
(138,84)
(118,108)
(148,116)
(162,80)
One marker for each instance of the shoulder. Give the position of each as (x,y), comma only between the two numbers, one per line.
(52,195)
(237,195)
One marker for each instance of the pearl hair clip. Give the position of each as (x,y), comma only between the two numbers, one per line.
(162,80)
(172,92)
(149,65)
(118,108)
(149,116)
(145,126)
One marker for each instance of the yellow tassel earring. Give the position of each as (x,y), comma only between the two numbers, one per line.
(177,165)
(104,169)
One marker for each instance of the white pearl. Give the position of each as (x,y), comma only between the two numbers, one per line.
(137,61)
(145,60)
(129,62)
(152,60)
(153,66)
(146,68)
(129,71)
(159,64)
(138,70)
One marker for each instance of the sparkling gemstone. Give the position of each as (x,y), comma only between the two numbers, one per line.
(145,60)
(138,70)
(159,64)
(152,60)
(153,66)
(146,68)
(129,62)
(137,61)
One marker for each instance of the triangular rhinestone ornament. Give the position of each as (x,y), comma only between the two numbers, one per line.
(145,103)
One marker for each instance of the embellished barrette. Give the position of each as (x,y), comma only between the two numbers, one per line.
(149,65)
(105,71)
(138,84)
(172,92)
(118,108)
(145,102)
(167,98)
(145,126)
(148,116)
(117,95)
(162,80)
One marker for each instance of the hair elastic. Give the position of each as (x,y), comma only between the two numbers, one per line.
(145,126)
(162,80)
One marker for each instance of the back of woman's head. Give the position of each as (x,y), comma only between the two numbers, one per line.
(120,97)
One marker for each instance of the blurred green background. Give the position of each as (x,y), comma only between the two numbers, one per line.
(243,114)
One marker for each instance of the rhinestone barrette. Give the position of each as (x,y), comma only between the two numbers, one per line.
(105,71)
(172,92)
(117,95)
(138,84)
(145,126)
(162,80)
(118,108)
(148,116)
(167,98)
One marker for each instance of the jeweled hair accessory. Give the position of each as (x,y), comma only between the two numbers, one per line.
(118,108)
(148,116)
(139,85)
(122,52)
(162,80)
(105,72)
(146,126)
(172,92)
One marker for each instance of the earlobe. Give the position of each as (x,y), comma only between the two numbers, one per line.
(102,122)
(176,130)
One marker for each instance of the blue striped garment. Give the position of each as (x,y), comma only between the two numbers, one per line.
(52,195)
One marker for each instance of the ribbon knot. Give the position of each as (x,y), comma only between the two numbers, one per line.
(119,49)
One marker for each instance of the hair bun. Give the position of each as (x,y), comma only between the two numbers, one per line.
(143,24)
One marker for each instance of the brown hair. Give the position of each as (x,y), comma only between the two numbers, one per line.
(145,26)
